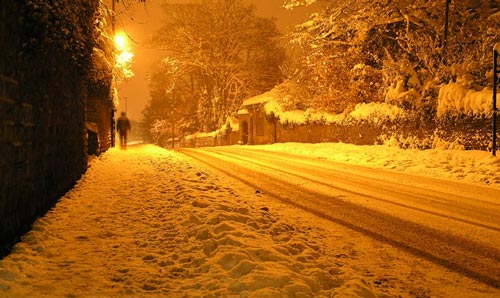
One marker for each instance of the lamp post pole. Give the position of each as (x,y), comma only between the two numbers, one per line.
(495,87)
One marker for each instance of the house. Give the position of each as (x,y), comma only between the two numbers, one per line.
(255,127)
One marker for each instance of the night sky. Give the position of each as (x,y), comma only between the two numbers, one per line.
(141,21)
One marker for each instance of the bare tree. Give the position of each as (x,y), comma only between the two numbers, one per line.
(230,53)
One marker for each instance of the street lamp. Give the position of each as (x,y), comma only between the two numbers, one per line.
(496,78)
(120,41)
(123,56)
(123,59)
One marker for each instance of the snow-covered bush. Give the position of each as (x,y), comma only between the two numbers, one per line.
(454,99)
(376,113)
(406,142)
(159,130)
(439,143)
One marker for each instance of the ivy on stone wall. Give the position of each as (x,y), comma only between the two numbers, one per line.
(60,30)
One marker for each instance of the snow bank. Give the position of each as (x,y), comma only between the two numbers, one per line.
(446,160)
(455,99)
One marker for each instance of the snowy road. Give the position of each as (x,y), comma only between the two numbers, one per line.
(455,225)
(149,222)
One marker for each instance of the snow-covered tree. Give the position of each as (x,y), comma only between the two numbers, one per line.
(333,70)
(355,51)
(102,56)
(172,106)
(231,53)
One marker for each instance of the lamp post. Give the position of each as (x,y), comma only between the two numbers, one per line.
(122,59)
(496,49)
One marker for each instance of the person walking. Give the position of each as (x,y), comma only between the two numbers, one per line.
(123,126)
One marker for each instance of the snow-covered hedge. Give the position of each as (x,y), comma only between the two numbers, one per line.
(376,113)
(455,99)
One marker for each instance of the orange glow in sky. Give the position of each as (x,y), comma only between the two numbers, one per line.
(140,21)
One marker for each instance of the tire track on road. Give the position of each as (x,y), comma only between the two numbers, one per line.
(353,180)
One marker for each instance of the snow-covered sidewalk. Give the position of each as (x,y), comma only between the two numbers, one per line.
(144,222)
(148,222)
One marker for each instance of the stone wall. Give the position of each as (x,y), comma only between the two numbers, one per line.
(42,136)
(41,156)
(471,133)
(362,133)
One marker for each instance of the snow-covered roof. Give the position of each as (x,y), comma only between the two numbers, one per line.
(262,98)
(92,126)
(233,123)
(243,112)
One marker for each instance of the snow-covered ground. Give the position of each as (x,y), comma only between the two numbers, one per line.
(466,165)
(148,222)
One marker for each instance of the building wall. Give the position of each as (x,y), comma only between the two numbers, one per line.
(261,129)
(98,113)
(104,120)
(41,156)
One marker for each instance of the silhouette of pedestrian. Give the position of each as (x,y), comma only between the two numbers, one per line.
(123,126)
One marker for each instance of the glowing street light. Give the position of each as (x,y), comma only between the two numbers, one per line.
(121,41)
(123,56)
